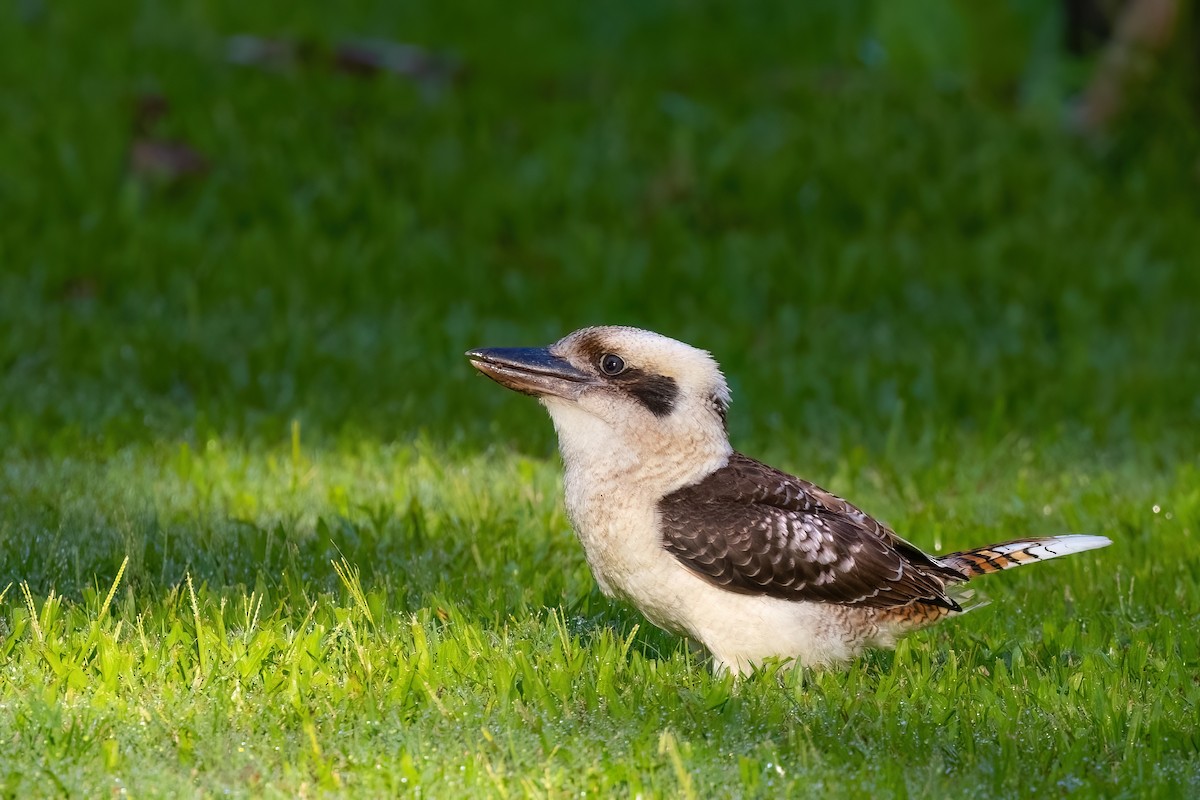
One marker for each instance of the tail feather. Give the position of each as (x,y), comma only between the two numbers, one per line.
(971,564)
(997,557)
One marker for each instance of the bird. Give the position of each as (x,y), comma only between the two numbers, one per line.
(754,564)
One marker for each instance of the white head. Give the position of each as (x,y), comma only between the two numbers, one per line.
(622,396)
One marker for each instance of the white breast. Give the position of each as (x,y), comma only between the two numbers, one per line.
(624,550)
(612,491)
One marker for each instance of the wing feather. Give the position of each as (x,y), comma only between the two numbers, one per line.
(750,528)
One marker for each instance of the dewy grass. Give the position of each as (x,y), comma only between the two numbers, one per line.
(263,532)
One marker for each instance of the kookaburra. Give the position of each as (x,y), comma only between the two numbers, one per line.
(747,560)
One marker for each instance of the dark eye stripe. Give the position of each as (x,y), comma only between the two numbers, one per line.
(657,393)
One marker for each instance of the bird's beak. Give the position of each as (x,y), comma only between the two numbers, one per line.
(530,370)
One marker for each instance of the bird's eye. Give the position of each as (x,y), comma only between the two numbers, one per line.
(611,364)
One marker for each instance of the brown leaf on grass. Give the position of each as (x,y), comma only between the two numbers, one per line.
(369,56)
(154,157)
(433,72)
(273,54)
(256,51)
(149,108)
(1143,31)
(164,160)
(80,288)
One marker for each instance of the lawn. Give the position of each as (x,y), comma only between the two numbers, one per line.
(263,531)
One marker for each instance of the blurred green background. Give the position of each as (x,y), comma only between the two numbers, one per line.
(870,213)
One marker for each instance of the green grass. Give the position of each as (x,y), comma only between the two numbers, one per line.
(264,533)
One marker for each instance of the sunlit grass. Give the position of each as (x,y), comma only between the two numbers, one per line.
(381,618)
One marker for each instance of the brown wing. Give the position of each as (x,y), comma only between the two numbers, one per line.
(750,528)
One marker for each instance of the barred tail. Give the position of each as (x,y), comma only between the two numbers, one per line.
(1006,555)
